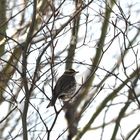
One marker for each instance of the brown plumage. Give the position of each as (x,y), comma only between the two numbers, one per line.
(65,87)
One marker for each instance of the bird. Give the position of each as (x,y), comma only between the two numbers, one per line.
(65,87)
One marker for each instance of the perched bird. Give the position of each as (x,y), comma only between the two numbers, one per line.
(65,87)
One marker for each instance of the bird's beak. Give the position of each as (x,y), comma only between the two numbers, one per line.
(77,72)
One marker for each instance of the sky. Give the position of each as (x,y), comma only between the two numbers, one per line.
(84,55)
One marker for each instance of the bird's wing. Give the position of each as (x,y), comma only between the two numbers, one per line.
(63,84)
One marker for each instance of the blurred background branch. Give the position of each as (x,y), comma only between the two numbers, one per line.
(39,39)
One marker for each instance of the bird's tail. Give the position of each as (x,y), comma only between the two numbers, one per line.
(52,102)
